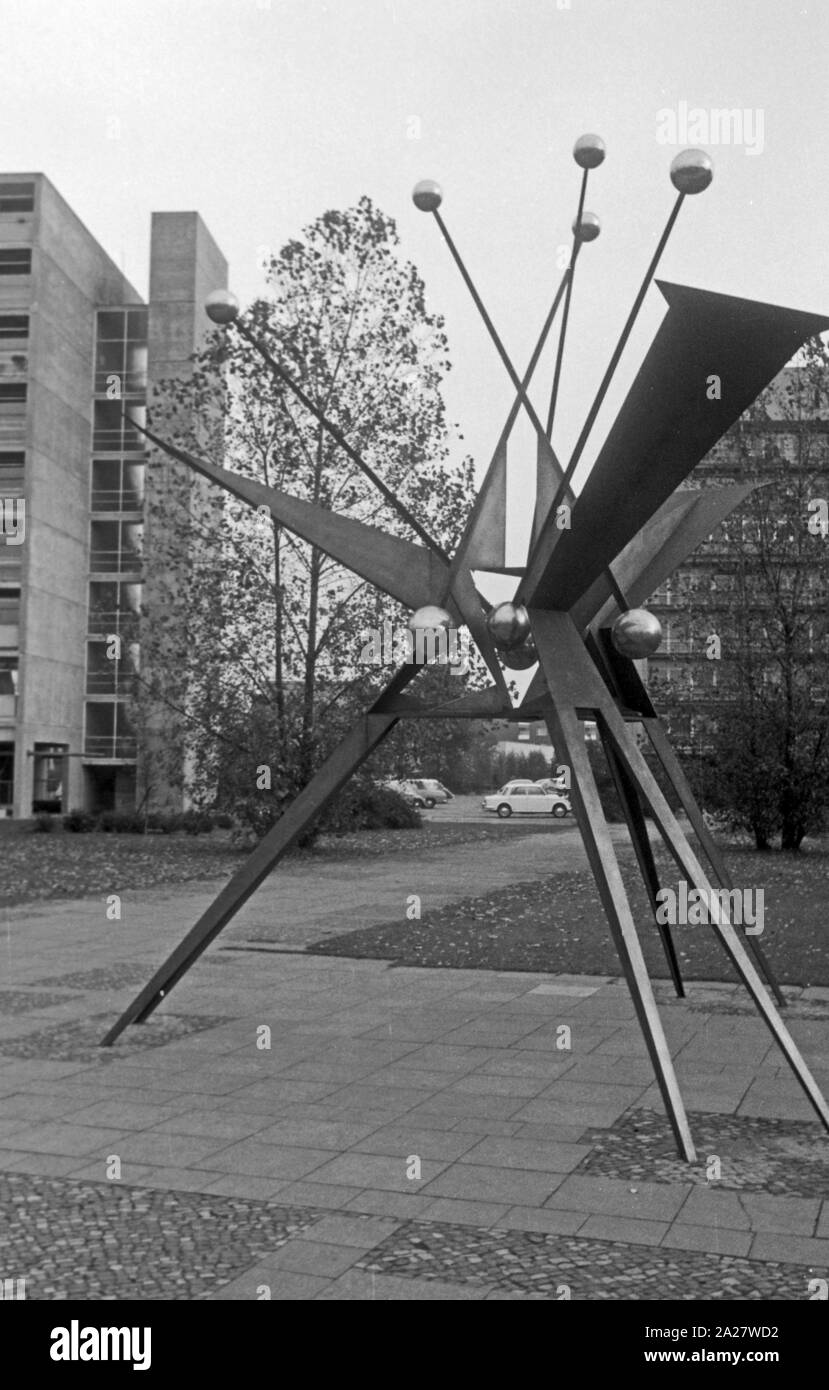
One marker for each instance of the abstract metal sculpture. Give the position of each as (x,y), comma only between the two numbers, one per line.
(592,559)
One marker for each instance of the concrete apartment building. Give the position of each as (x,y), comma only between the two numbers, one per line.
(79,350)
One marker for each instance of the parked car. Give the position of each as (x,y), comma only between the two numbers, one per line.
(527,800)
(422,791)
(517,782)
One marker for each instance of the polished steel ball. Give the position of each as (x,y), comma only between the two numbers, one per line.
(427,195)
(588,228)
(520,658)
(691,171)
(589,151)
(429,617)
(221,306)
(636,634)
(509,625)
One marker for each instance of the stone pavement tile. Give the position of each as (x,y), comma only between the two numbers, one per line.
(242,1185)
(776,1101)
(629,1229)
(711,1206)
(559,1134)
(408,1206)
(398,1076)
(352,1228)
(320,1134)
(713,1240)
(210,1123)
(282,1285)
(10,1127)
(568,1089)
(41,1165)
(361,1170)
(546,1041)
(482,1084)
(265,1160)
(278,1091)
(132,1174)
(511,1186)
(400,1098)
(67,1139)
(462,1213)
(446,1058)
(650,1201)
(717,1102)
(553,1112)
(358,1285)
(38,1105)
(791,1250)
(543,1220)
(457,1105)
(168,1150)
(124,1114)
(823,1222)
(480,1125)
(519,1063)
(403,1138)
(488,1031)
(545,1157)
(792,1216)
(313,1257)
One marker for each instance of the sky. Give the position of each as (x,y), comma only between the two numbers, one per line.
(261,114)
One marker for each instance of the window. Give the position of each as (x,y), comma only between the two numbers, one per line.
(117,486)
(523,733)
(6,773)
(14,328)
(8,686)
(11,471)
(113,607)
(121,351)
(112,433)
(15,260)
(9,608)
(49,771)
(109,733)
(17,197)
(115,546)
(13,392)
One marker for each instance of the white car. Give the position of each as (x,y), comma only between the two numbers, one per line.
(527,800)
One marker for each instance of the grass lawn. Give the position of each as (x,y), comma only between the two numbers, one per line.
(36,867)
(558,924)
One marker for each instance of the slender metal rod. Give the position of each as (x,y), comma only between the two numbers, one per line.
(490,327)
(605,384)
(537,351)
(339,438)
(620,346)
(551,413)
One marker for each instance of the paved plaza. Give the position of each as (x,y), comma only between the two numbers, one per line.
(399,1133)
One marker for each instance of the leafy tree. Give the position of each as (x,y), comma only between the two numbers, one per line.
(251,651)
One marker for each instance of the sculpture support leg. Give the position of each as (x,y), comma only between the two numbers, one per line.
(637,826)
(568,738)
(334,773)
(674,771)
(687,861)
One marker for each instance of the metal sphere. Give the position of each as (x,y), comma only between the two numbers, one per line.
(429,617)
(520,658)
(636,634)
(589,227)
(589,151)
(691,171)
(221,306)
(509,625)
(427,195)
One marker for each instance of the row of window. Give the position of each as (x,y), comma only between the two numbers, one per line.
(17,197)
(15,260)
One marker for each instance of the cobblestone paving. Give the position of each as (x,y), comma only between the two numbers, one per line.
(785,1158)
(71,1239)
(80,1041)
(541,1264)
(104,1241)
(740,1004)
(105,977)
(21,1001)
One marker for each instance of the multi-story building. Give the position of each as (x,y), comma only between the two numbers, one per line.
(79,351)
(783,441)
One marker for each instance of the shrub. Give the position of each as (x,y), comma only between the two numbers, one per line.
(194,823)
(121,823)
(79,821)
(44,824)
(363,806)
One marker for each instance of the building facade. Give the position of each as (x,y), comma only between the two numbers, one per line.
(80,350)
(781,443)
